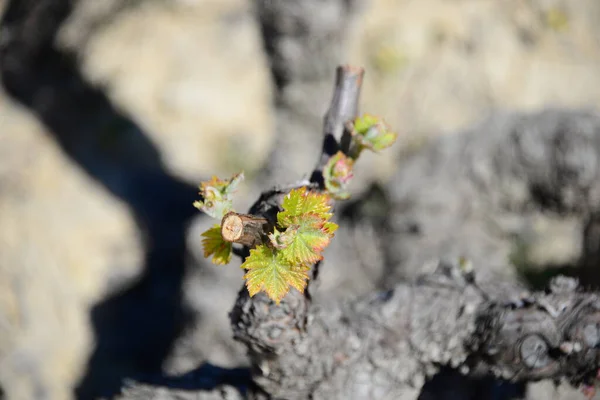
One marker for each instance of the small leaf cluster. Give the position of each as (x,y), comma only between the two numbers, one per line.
(337,175)
(303,228)
(303,231)
(372,133)
(217,201)
(217,195)
(367,132)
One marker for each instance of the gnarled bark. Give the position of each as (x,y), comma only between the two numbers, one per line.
(385,346)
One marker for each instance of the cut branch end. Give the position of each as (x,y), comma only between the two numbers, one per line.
(247,230)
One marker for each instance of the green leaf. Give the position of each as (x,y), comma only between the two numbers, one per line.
(312,236)
(214,245)
(269,272)
(300,202)
(330,227)
(307,232)
(217,195)
(372,133)
(337,175)
(363,123)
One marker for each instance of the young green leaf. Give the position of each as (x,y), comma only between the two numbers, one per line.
(337,175)
(363,123)
(301,201)
(372,133)
(214,245)
(305,217)
(269,272)
(217,195)
(312,236)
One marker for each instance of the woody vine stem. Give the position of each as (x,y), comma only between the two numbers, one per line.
(287,238)
(392,341)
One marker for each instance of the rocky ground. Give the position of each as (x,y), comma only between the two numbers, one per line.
(111,113)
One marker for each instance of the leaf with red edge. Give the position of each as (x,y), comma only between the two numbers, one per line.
(312,236)
(305,218)
(269,272)
(337,174)
(301,201)
(217,195)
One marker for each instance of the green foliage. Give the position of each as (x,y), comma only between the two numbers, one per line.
(303,232)
(311,235)
(218,201)
(300,202)
(217,195)
(215,246)
(270,272)
(303,227)
(368,132)
(372,133)
(307,215)
(337,175)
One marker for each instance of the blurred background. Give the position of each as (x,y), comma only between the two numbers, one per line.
(113,111)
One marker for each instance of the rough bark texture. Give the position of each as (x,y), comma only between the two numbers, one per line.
(483,193)
(386,345)
(380,347)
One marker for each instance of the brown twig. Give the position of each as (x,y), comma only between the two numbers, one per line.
(245,229)
(343,108)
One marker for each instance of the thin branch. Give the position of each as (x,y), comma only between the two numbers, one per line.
(343,108)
